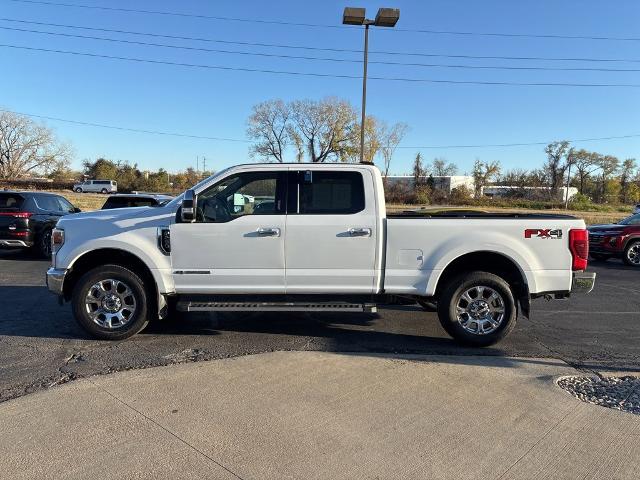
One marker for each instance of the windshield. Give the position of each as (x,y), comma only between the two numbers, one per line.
(178,200)
(632,220)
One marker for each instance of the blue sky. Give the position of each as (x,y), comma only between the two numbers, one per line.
(216,103)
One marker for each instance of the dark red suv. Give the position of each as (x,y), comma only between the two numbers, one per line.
(620,240)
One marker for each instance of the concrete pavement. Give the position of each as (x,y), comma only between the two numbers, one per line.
(320,415)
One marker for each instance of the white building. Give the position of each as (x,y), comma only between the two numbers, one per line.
(446,183)
(501,191)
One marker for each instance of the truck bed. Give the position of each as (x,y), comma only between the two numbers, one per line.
(475,214)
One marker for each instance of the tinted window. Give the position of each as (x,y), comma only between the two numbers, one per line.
(102,182)
(632,220)
(11,200)
(48,202)
(64,204)
(331,192)
(251,193)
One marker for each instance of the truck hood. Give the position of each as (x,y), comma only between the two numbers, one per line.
(613,227)
(100,223)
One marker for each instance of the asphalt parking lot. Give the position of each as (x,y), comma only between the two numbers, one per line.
(41,346)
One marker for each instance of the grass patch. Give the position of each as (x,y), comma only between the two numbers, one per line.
(84,201)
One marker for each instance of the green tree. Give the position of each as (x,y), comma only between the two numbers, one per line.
(627,172)
(609,165)
(418,171)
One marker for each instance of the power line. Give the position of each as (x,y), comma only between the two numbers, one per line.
(503,145)
(316,25)
(324,49)
(176,14)
(126,129)
(325,59)
(202,137)
(325,75)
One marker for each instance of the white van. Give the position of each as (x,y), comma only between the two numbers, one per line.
(97,186)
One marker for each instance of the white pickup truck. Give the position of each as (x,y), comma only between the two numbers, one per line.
(315,237)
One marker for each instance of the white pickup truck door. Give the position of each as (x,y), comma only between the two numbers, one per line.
(236,244)
(331,232)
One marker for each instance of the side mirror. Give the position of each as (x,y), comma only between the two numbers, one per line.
(76,210)
(188,209)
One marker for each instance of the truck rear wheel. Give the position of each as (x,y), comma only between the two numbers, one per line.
(477,309)
(110,302)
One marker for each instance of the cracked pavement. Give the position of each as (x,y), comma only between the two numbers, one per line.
(41,346)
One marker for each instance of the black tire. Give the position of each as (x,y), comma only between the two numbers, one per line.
(632,254)
(138,319)
(452,294)
(600,257)
(78,190)
(103,191)
(44,244)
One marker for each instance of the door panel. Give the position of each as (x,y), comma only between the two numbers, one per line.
(236,244)
(232,257)
(331,252)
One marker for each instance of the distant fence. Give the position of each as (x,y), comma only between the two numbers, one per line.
(35,184)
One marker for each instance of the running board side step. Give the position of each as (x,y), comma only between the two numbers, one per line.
(199,306)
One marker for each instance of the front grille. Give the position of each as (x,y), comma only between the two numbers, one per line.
(595,239)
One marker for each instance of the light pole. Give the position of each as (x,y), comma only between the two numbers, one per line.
(386,17)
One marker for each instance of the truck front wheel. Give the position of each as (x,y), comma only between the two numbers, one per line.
(477,309)
(110,302)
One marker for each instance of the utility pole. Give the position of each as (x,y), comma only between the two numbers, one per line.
(386,17)
(204,165)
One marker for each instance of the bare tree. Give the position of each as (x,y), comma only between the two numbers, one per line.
(26,146)
(556,165)
(268,126)
(483,173)
(390,138)
(326,127)
(440,168)
(586,163)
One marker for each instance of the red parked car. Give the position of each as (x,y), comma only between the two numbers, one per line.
(619,240)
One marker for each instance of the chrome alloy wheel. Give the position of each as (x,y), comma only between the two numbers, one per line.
(633,254)
(480,310)
(110,303)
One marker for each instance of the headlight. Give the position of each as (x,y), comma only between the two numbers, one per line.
(57,239)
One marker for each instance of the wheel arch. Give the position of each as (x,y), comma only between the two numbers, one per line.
(111,256)
(491,262)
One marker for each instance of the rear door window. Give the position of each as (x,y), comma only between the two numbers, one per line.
(330,192)
(11,201)
(47,202)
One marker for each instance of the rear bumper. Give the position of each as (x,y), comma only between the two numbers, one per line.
(55,280)
(15,243)
(583,282)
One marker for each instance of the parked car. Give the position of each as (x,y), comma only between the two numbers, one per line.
(322,242)
(618,240)
(125,200)
(27,219)
(636,209)
(96,186)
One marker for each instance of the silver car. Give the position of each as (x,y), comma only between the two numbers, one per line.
(96,186)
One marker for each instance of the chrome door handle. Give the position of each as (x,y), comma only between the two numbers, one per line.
(268,232)
(360,232)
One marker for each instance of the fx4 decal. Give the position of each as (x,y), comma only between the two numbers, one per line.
(543,233)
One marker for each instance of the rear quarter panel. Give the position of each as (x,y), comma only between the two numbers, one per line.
(419,250)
